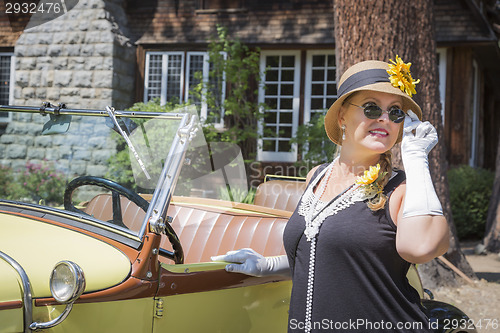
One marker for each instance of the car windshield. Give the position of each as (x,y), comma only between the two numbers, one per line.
(89,155)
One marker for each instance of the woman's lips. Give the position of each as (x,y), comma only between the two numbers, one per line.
(379,132)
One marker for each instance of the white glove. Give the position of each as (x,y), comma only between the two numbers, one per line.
(421,197)
(249,262)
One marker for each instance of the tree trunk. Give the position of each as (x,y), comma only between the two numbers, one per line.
(492,234)
(380,30)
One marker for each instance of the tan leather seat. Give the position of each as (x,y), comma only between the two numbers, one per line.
(280,194)
(206,230)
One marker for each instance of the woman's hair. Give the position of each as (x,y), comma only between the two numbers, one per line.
(378,202)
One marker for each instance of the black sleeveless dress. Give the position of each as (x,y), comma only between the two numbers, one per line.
(360,282)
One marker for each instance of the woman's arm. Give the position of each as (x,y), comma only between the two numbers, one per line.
(420,238)
(423,232)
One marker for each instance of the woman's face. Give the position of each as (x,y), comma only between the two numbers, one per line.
(369,135)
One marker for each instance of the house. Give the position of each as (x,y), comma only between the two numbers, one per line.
(118,52)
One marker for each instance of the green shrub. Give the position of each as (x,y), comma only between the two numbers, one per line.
(470,192)
(38,182)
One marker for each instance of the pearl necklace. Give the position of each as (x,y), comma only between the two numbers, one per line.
(314,214)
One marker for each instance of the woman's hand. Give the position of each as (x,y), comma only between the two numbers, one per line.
(249,262)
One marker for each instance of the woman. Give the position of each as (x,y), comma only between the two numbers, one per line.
(360,224)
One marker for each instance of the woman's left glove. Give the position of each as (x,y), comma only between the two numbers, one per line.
(249,262)
(421,197)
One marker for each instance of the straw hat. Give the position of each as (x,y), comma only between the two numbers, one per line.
(368,75)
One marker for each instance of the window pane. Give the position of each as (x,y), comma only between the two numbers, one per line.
(272,75)
(286,117)
(271,103)
(316,103)
(268,145)
(272,89)
(270,117)
(331,61)
(154,76)
(331,75)
(272,61)
(318,75)
(287,75)
(286,104)
(288,61)
(318,61)
(287,90)
(284,145)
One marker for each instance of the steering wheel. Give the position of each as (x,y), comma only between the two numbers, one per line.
(177,255)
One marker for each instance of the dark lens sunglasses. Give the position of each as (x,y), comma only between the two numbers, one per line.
(373,111)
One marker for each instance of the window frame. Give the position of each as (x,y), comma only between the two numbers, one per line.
(308,81)
(184,80)
(8,118)
(277,156)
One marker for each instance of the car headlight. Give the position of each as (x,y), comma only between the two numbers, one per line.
(67,282)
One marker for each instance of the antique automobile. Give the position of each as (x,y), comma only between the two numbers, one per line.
(108,220)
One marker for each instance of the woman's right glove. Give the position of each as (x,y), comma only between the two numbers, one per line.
(421,197)
(249,262)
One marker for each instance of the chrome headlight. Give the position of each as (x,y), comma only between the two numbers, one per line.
(67,282)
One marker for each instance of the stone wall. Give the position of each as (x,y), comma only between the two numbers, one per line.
(83,59)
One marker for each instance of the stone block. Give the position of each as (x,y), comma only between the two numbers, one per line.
(54,94)
(35,78)
(41,93)
(107,36)
(28,93)
(62,78)
(104,49)
(43,141)
(69,92)
(60,63)
(22,78)
(83,79)
(106,94)
(26,63)
(8,138)
(15,151)
(103,79)
(87,50)
(87,93)
(55,50)
(78,167)
(101,25)
(45,38)
(59,38)
(92,37)
(36,153)
(73,50)
(101,156)
(82,155)
(94,63)
(36,51)
(96,170)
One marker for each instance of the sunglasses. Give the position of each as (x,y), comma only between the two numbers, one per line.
(373,111)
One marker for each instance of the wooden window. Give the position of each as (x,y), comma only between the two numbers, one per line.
(171,79)
(164,76)
(198,62)
(6,83)
(320,84)
(281,96)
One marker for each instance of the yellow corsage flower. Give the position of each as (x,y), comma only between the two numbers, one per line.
(370,176)
(369,182)
(400,76)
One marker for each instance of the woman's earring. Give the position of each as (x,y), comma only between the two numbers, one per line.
(343,132)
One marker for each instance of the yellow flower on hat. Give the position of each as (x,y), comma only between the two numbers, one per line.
(370,176)
(400,76)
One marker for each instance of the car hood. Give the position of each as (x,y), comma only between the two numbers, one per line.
(37,246)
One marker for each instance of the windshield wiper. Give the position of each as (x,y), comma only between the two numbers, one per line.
(111,112)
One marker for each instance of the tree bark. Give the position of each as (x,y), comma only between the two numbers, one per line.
(492,235)
(380,30)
